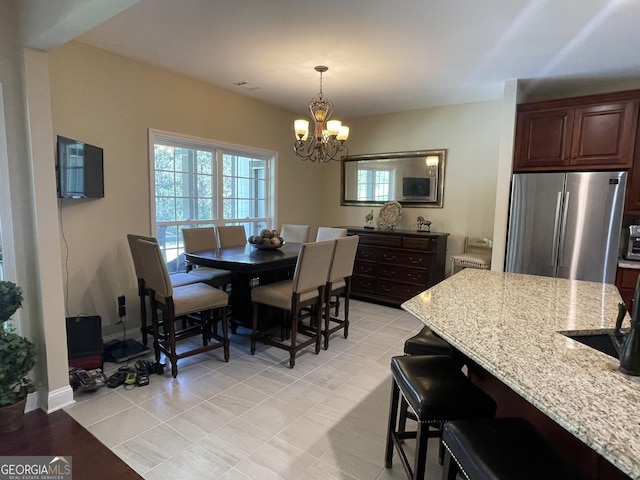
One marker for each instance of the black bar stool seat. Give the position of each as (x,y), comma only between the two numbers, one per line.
(499,449)
(437,391)
(427,343)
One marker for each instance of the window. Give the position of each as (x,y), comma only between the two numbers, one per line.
(201,183)
(375,184)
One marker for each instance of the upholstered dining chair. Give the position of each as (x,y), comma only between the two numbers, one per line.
(179,302)
(177,279)
(339,282)
(231,235)
(294,233)
(306,288)
(204,238)
(330,233)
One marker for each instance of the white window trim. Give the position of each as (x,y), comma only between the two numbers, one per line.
(158,136)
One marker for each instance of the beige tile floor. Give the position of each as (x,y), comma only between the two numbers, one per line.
(255,418)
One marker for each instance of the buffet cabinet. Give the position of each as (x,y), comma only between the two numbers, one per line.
(394,265)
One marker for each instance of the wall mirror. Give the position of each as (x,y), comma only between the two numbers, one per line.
(415,179)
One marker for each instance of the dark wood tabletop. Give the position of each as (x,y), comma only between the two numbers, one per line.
(246,258)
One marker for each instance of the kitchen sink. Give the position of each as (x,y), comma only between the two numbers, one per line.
(601,341)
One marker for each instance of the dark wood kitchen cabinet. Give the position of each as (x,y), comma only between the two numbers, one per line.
(596,132)
(393,266)
(632,199)
(626,279)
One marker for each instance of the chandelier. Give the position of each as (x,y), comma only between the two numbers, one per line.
(326,141)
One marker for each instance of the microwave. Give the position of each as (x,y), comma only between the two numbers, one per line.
(633,244)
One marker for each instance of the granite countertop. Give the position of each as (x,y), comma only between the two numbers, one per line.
(624,263)
(508,323)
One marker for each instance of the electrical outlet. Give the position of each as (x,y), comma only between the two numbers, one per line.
(122,309)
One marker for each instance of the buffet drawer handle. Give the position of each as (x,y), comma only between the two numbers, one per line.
(415,260)
(389,257)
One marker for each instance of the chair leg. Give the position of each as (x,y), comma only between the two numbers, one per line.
(347,294)
(318,325)
(449,468)
(225,334)
(327,320)
(254,327)
(156,339)
(420,461)
(294,339)
(393,415)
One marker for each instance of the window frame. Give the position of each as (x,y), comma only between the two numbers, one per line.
(218,149)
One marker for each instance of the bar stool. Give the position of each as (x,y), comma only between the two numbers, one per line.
(499,449)
(437,391)
(426,343)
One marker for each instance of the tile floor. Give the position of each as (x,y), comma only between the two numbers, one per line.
(255,418)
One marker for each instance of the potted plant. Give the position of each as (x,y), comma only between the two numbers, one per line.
(17,357)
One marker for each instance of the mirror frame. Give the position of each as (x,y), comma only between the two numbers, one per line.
(396,156)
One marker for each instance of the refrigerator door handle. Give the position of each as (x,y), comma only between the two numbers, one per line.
(556,231)
(563,229)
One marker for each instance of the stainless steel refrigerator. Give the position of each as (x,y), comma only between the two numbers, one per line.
(566,225)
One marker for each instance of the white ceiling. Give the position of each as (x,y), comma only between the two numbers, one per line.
(383,56)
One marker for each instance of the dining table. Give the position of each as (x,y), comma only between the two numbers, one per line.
(250,266)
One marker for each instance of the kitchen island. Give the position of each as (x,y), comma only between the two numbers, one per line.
(508,324)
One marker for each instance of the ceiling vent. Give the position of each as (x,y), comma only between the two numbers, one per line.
(247,85)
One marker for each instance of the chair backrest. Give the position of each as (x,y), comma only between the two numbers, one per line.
(196,239)
(312,267)
(135,253)
(294,233)
(231,235)
(344,256)
(477,245)
(156,277)
(330,233)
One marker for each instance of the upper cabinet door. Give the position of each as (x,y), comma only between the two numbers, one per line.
(594,133)
(543,138)
(605,134)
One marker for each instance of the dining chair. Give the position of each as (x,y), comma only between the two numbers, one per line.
(294,233)
(175,303)
(339,282)
(306,288)
(231,235)
(330,233)
(204,238)
(177,279)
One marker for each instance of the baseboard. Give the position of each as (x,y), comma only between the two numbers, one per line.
(59,398)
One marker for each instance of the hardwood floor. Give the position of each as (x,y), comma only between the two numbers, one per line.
(59,434)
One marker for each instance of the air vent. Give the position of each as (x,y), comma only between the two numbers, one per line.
(247,85)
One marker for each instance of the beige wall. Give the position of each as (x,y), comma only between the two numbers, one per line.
(470,133)
(110,101)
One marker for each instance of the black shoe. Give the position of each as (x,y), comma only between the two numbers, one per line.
(118,377)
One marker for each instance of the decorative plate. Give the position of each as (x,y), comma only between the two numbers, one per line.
(389,215)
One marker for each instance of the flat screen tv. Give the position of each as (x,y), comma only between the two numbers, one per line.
(416,187)
(80,169)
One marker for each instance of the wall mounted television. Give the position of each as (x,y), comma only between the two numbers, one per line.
(80,171)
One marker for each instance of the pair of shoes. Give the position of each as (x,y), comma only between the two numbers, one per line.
(119,377)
